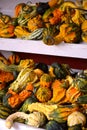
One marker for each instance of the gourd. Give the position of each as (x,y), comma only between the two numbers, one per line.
(84,36)
(6,77)
(55,112)
(13,100)
(70,32)
(29,100)
(53,125)
(27,12)
(45,80)
(35,119)
(7,31)
(21,32)
(53,3)
(2,93)
(43,94)
(35,23)
(72,94)
(12,67)
(27,92)
(42,66)
(80,82)
(18,9)
(84,3)
(84,31)
(56,18)
(76,127)
(58,92)
(48,35)
(35,35)
(4,111)
(69,4)
(4,19)
(76,118)
(83,26)
(60,71)
(82,99)
(14,59)
(25,76)
(39,72)
(42,7)
(4,60)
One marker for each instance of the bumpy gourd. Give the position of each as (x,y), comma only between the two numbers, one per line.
(43,94)
(45,80)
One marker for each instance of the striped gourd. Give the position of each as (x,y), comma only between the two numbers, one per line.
(36,35)
(4,111)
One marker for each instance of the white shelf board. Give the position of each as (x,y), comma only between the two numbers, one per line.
(17,126)
(38,47)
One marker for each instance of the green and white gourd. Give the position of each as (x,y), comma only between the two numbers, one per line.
(35,35)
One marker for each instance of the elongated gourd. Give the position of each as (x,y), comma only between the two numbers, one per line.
(55,112)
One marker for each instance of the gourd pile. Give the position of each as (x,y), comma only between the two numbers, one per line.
(52,22)
(51,97)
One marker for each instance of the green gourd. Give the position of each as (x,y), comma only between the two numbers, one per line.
(4,111)
(75,127)
(53,125)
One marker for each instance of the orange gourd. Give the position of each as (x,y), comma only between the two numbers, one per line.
(13,100)
(72,94)
(7,31)
(13,59)
(18,8)
(58,92)
(26,92)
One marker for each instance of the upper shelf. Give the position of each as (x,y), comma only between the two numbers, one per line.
(38,47)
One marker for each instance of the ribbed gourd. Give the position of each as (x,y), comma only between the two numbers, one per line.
(76,118)
(43,94)
(35,35)
(4,111)
(45,80)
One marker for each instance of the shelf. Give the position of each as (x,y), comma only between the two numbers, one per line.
(38,47)
(17,126)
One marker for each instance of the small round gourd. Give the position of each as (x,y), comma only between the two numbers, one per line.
(45,80)
(43,94)
(76,118)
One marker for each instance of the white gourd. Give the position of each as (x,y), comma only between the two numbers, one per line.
(35,119)
(76,118)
